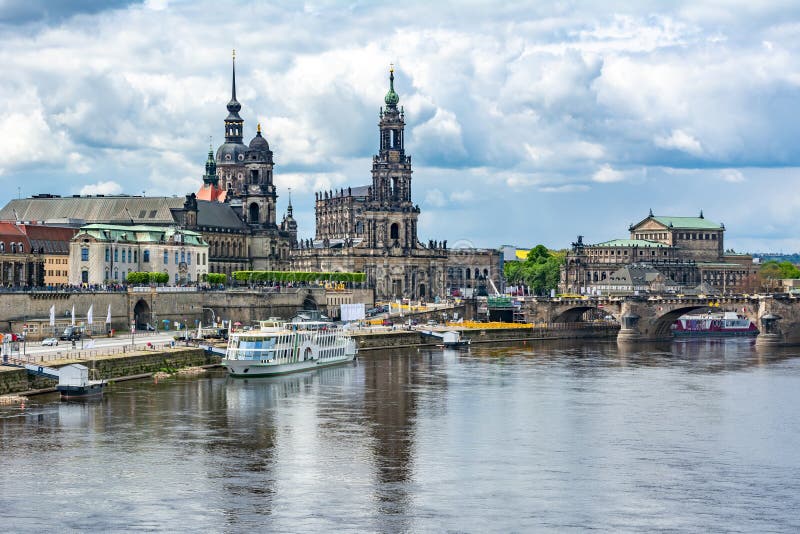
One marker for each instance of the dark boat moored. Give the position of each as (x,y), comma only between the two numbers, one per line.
(74,383)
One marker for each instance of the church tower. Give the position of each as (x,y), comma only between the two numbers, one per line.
(391,218)
(259,192)
(231,154)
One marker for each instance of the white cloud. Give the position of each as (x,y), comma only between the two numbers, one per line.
(462,196)
(606,174)
(566,188)
(680,140)
(101,188)
(434,198)
(732,175)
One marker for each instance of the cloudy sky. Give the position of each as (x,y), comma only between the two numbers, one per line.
(530,122)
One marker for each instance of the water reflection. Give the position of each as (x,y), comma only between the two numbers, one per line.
(688,436)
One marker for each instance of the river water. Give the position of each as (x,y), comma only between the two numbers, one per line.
(690,436)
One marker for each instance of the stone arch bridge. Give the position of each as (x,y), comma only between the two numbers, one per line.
(650,318)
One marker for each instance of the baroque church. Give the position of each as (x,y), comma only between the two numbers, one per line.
(370,228)
(373,229)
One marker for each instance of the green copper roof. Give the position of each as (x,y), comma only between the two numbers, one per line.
(630,243)
(689,223)
(391,98)
(139,234)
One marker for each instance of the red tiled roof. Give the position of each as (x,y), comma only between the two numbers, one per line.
(11,234)
(49,239)
(211,193)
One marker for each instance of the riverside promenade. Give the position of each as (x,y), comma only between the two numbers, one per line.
(115,362)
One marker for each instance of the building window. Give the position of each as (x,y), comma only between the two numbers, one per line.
(183,256)
(116,254)
(188,258)
(176,257)
(85,276)
(108,255)
(84,254)
(166,257)
(135,256)
(146,256)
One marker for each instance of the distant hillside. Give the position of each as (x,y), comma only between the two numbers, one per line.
(767,256)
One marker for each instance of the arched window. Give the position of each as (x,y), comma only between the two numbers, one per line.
(108,256)
(176,257)
(253,213)
(166,256)
(2,247)
(183,256)
(13,248)
(394,231)
(188,258)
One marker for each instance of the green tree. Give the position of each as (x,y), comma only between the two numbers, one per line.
(540,271)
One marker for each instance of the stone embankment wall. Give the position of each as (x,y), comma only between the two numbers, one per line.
(16,380)
(413,338)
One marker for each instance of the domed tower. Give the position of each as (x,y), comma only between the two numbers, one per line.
(231,154)
(391,216)
(259,192)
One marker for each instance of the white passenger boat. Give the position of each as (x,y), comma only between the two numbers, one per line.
(278,347)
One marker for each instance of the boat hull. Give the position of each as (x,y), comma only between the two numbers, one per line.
(81,392)
(715,333)
(245,368)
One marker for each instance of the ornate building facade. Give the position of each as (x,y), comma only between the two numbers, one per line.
(241,176)
(687,251)
(373,228)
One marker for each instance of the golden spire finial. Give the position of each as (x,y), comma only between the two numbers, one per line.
(391,67)
(258,128)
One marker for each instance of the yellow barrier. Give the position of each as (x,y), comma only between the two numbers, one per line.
(489,326)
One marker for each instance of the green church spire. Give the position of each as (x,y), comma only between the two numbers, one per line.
(391,97)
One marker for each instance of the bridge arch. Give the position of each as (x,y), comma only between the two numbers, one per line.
(141,314)
(577,313)
(663,323)
(310,303)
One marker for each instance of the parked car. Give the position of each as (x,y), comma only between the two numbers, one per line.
(49,341)
(72,333)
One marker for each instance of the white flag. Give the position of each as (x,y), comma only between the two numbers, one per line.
(53,315)
(108,316)
(73,315)
(89,314)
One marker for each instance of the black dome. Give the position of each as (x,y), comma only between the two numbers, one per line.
(259,143)
(230,149)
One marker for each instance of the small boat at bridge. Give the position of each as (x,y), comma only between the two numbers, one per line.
(716,325)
